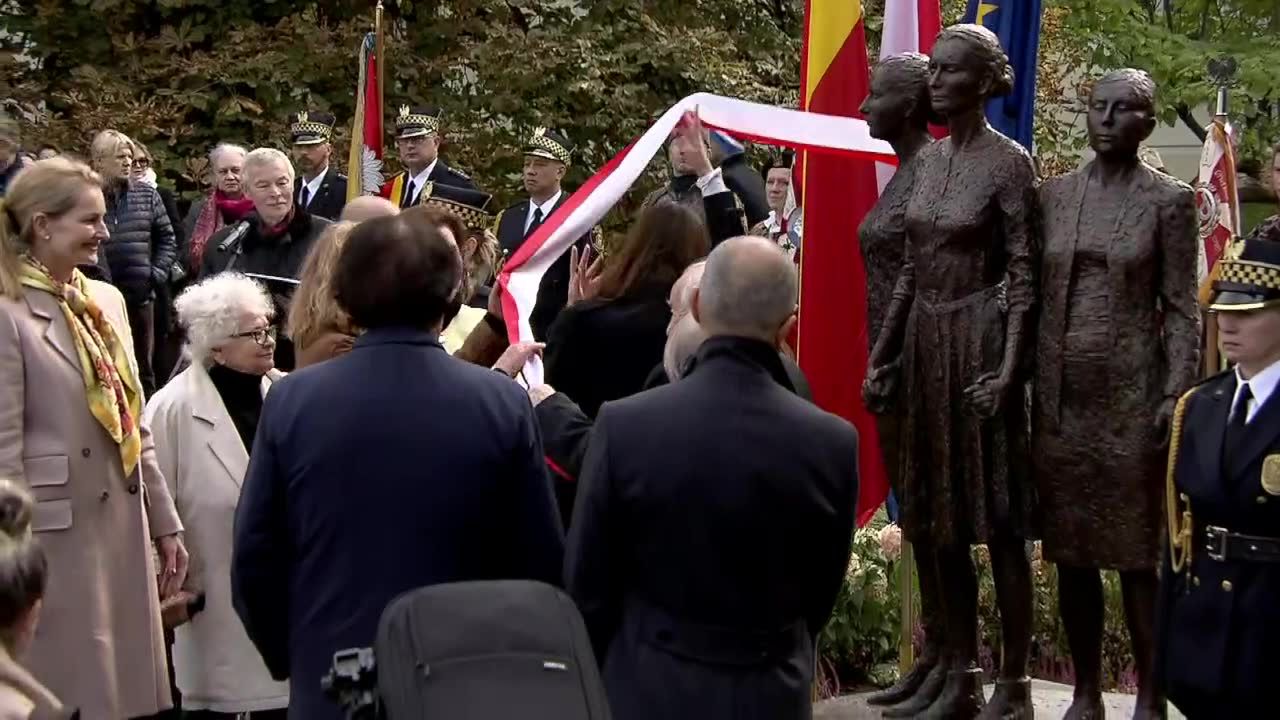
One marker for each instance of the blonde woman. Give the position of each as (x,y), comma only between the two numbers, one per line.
(319,328)
(71,431)
(204,423)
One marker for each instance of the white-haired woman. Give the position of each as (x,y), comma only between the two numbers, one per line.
(224,204)
(204,423)
(272,242)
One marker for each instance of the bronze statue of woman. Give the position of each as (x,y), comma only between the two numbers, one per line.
(1119,340)
(960,315)
(897,110)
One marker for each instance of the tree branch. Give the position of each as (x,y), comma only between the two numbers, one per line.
(1189,119)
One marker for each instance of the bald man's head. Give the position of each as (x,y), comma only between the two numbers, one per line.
(749,289)
(684,334)
(368,207)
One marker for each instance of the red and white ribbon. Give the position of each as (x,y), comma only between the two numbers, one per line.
(827,134)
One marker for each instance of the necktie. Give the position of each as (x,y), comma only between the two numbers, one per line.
(306,197)
(1237,426)
(537,220)
(408,195)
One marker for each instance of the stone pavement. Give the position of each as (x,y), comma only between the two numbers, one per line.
(1051,699)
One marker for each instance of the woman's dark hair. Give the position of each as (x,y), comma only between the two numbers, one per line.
(663,241)
(23,568)
(986,46)
(785,159)
(394,272)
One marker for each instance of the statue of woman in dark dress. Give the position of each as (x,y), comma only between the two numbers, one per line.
(897,110)
(1119,338)
(960,315)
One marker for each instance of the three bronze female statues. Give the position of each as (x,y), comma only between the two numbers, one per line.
(1025,368)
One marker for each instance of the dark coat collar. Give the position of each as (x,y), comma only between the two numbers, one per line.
(746,352)
(397,336)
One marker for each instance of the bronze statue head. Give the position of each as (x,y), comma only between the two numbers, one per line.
(968,67)
(1122,113)
(899,97)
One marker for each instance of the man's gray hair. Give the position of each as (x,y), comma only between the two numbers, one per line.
(221,148)
(212,309)
(263,157)
(749,289)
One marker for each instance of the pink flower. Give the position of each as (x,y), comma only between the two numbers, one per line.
(891,542)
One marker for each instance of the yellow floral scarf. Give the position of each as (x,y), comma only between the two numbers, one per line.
(112,390)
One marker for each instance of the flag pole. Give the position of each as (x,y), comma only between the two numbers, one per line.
(378,47)
(1222,70)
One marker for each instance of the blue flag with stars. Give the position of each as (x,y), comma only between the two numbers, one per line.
(1017,24)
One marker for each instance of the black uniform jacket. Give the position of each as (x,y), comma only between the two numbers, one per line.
(1220,619)
(553,290)
(329,199)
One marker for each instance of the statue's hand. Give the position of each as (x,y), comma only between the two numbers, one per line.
(880,388)
(986,395)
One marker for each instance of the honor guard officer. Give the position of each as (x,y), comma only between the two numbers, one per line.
(418,145)
(320,190)
(547,156)
(1219,614)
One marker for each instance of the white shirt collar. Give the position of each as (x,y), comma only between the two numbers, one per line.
(421,179)
(313,187)
(1262,386)
(546,208)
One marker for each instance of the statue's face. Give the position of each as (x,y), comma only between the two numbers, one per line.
(1119,120)
(958,82)
(888,104)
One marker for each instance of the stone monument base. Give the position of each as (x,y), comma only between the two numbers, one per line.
(1051,699)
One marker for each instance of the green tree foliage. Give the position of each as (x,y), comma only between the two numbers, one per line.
(181,75)
(1174,40)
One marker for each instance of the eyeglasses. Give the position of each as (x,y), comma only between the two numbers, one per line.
(142,163)
(262,336)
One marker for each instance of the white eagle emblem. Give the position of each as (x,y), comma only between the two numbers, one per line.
(370,172)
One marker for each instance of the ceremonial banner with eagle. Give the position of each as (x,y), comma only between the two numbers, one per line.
(364,162)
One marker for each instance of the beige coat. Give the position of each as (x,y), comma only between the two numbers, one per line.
(100,645)
(204,461)
(22,697)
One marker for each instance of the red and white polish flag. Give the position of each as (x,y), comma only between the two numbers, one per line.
(586,207)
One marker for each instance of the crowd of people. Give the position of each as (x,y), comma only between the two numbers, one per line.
(230,437)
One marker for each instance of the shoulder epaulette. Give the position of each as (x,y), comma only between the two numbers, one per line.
(458,172)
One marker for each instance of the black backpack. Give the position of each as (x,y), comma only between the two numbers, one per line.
(488,650)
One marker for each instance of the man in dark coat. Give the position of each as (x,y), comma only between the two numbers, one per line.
(272,242)
(142,247)
(547,156)
(700,186)
(1218,627)
(713,523)
(319,189)
(731,157)
(389,468)
(418,145)
(566,429)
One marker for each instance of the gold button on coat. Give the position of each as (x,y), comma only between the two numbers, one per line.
(1226,586)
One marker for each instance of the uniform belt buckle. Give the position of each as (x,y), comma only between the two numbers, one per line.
(1217,542)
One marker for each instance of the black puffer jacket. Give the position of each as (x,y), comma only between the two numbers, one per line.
(142,247)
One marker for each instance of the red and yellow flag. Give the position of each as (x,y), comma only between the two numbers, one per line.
(837,193)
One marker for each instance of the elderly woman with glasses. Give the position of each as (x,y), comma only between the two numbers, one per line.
(204,423)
